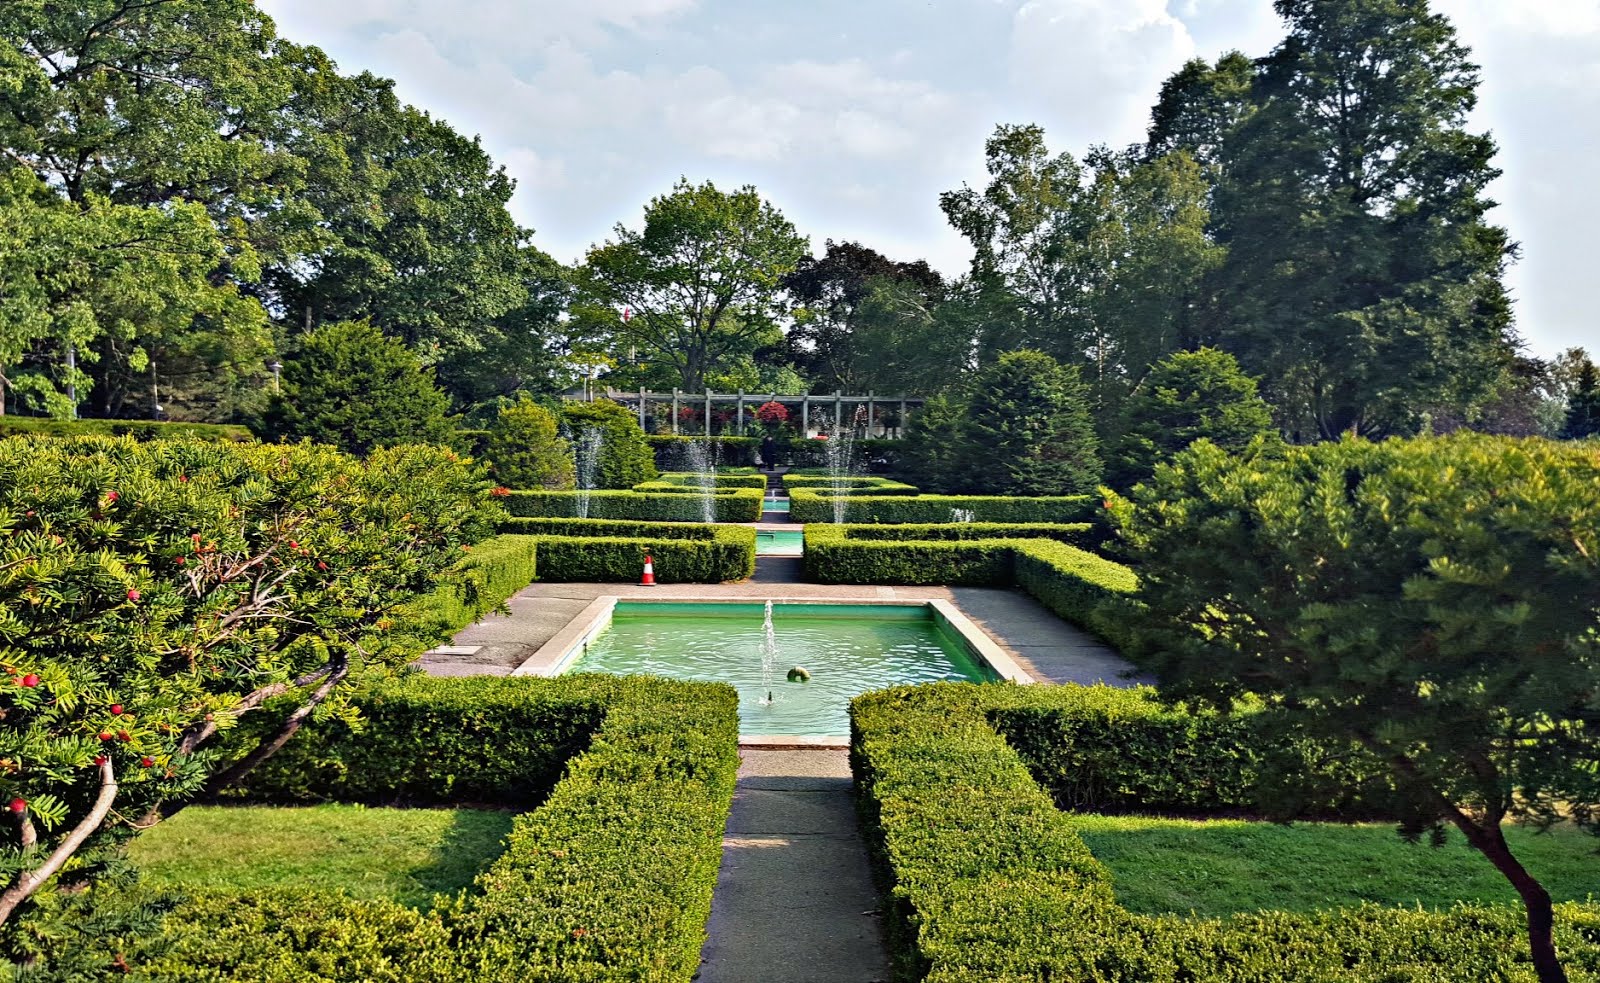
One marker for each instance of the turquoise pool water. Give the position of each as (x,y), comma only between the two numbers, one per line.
(784,542)
(774,505)
(847,649)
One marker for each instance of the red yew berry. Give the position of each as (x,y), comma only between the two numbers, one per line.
(100,759)
(134,595)
(147,761)
(30,680)
(124,736)
(112,496)
(19,805)
(321,565)
(183,478)
(106,735)
(116,709)
(180,561)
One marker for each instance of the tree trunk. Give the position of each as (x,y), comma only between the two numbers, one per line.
(30,880)
(1491,842)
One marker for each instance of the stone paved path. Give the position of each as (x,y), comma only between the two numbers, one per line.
(795,902)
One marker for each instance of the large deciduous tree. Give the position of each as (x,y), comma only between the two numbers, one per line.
(1433,601)
(1362,282)
(702,279)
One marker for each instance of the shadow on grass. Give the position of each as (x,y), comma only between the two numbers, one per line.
(474,840)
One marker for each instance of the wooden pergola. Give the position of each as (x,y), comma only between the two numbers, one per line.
(837,403)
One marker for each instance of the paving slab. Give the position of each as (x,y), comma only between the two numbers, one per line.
(795,902)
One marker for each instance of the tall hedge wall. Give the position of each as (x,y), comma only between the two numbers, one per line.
(608,879)
(815,505)
(732,505)
(988,881)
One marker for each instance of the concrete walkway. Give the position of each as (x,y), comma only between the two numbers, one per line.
(795,902)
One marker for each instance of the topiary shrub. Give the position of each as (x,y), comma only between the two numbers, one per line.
(625,455)
(525,449)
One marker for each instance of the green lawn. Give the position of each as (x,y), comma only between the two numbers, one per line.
(405,855)
(1219,867)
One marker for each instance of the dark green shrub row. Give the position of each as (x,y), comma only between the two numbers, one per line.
(669,449)
(812,505)
(729,554)
(732,505)
(494,570)
(620,528)
(826,483)
(723,479)
(137,429)
(1085,589)
(987,880)
(610,879)
(1066,532)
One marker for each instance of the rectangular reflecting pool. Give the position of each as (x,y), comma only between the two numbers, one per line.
(845,649)
(774,505)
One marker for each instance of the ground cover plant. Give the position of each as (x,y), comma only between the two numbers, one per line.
(1219,867)
(404,855)
(989,880)
(1431,601)
(153,593)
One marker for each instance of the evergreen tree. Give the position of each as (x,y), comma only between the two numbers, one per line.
(625,457)
(525,448)
(1028,430)
(1583,405)
(351,387)
(1186,396)
(933,454)
(1362,280)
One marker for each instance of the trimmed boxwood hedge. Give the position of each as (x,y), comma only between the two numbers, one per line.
(609,879)
(688,479)
(864,484)
(494,570)
(987,880)
(732,505)
(610,551)
(137,429)
(1066,532)
(1085,589)
(815,505)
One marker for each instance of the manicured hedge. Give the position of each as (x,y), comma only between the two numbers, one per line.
(608,551)
(866,484)
(1085,589)
(494,570)
(722,479)
(732,505)
(669,449)
(987,880)
(137,429)
(1066,532)
(609,879)
(814,505)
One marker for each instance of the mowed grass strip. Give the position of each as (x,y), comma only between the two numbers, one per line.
(1214,868)
(404,855)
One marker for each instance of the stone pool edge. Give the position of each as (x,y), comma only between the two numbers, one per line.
(554,656)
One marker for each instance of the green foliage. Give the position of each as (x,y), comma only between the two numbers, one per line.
(1028,430)
(351,387)
(990,881)
(1432,600)
(152,593)
(1186,396)
(625,456)
(814,505)
(703,278)
(493,570)
(137,429)
(934,443)
(1363,283)
(613,552)
(736,451)
(1583,405)
(404,855)
(696,481)
(677,505)
(609,878)
(525,450)
(866,484)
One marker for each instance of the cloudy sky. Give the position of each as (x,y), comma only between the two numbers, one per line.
(853,116)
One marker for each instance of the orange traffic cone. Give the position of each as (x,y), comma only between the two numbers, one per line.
(649,578)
